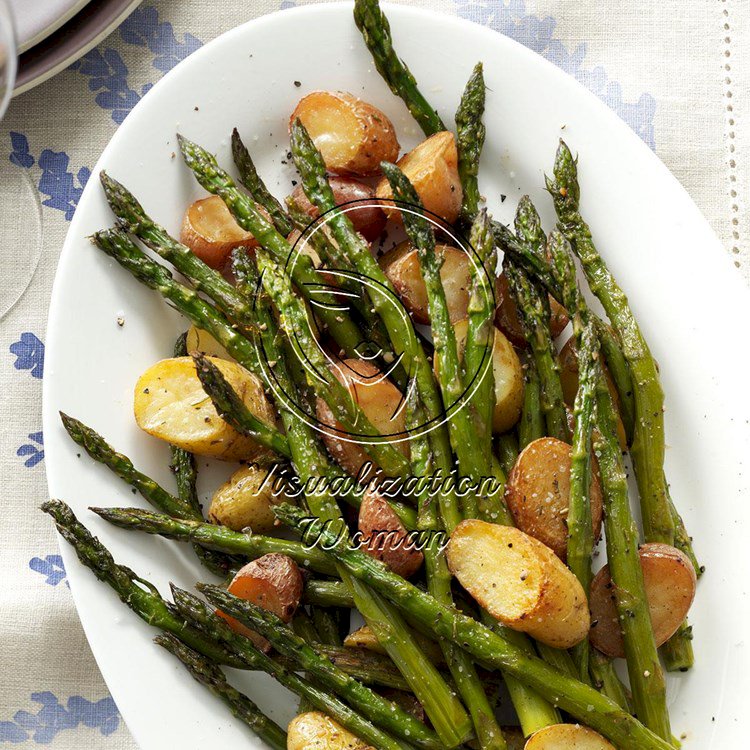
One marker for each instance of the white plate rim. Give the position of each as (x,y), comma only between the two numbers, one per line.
(62,19)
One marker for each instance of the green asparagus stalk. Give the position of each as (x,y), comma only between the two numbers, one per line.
(207,673)
(327,594)
(137,593)
(253,183)
(303,626)
(531,427)
(578,699)
(470,133)
(250,546)
(311,284)
(644,668)
(326,625)
(376,32)
(507,450)
(197,613)
(607,681)
(233,410)
(366,666)
(378,710)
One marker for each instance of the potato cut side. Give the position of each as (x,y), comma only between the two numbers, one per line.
(508,375)
(352,135)
(567,737)
(368,217)
(203,342)
(669,580)
(381,403)
(432,168)
(385,537)
(538,493)
(273,582)
(247,499)
(317,731)
(170,404)
(520,581)
(210,231)
(401,266)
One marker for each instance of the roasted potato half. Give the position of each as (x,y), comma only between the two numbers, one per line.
(273,582)
(385,538)
(367,217)
(567,737)
(352,135)
(317,731)
(170,404)
(568,359)
(203,342)
(365,638)
(378,398)
(210,231)
(247,499)
(538,493)
(432,168)
(508,374)
(670,581)
(520,581)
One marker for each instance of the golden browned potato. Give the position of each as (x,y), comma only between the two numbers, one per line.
(569,380)
(273,582)
(365,638)
(385,537)
(567,737)
(669,580)
(367,217)
(401,266)
(352,135)
(170,404)
(210,231)
(508,374)
(520,581)
(205,343)
(247,499)
(432,167)
(317,731)
(378,398)
(538,493)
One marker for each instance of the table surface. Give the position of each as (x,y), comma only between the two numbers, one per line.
(677,72)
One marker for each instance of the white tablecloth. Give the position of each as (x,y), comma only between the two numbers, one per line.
(677,72)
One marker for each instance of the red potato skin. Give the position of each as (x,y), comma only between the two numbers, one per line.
(369,220)
(668,602)
(386,537)
(273,582)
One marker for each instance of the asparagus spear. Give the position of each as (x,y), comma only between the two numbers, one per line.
(578,699)
(220,538)
(252,181)
(607,681)
(137,593)
(207,673)
(644,669)
(531,427)
(470,133)
(197,613)
(378,710)
(376,32)
(507,450)
(326,625)
(327,594)
(366,666)
(233,410)
(311,284)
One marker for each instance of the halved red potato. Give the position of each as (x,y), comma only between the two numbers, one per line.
(432,168)
(368,218)
(385,537)
(508,374)
(210,231)
(520,581)
(317,731)
(273,582)
(670,581)
(567,737)
(352,135)
(538,493)
(568,359)
(379,399)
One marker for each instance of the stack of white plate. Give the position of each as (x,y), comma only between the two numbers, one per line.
(54,33)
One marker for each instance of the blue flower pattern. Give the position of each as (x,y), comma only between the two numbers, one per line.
(33,451)
(53,717)
(50,566)
(509,17)
(29,353)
